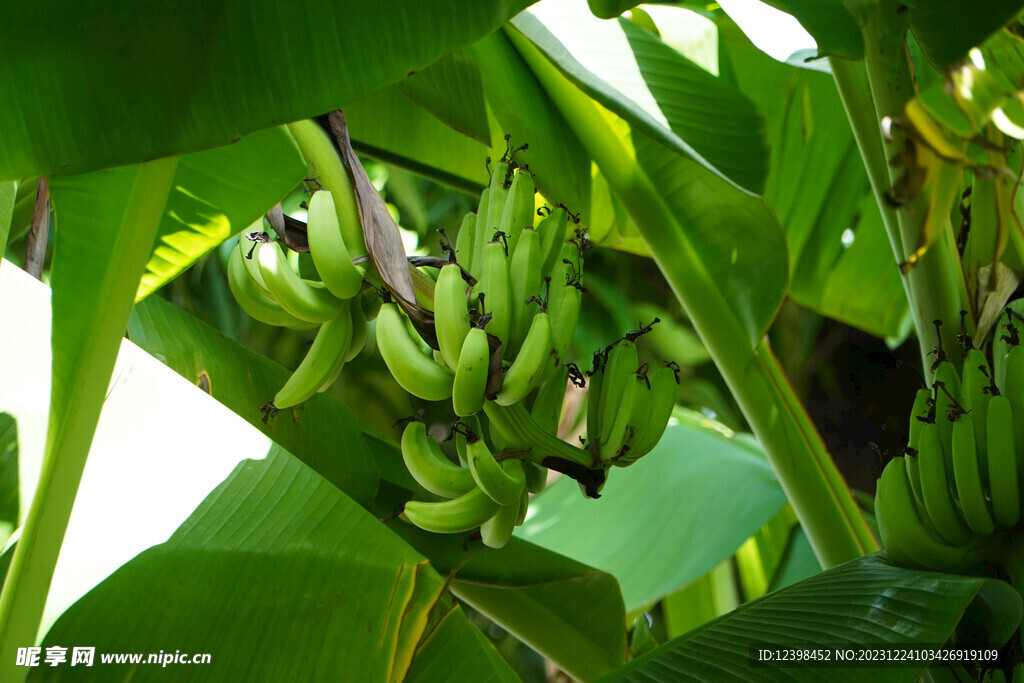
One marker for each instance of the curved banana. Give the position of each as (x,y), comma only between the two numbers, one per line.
(464,242)
(495,202)
(525,276)
(466,512)
(530,365)
(418,374)
(370,302)
(326,167)
(935,488)
(429,466)
(1014,389)
(481,234)
(615,445)
(564,298)
(552,229)
(451,321)
(921,412)
(948,397)
(423,287)
(517,213)
(247,249)
(304,299)
(503,486)
(254,301)
(524,502)
(594,395)
(650,425)
(907,542)
(536,477)
(976,384)
(547,406)
(1004,332)
(343,278)
(498,529)
(323,362)
(1003,474)
(493,285)
(969,487)
(471,373)
(359,331)
(618,391)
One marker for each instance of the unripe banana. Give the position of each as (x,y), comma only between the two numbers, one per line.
(906,540)
(429,466)
(969,479)
(1003,472)
(370,303)
(948,398)
(482,234)
(615,444)
(417,373)
(547,406)
(525,278)
(451,321)
(466,512)
(471,374)
(464,242)
(502,486)
(423,287)
(254,301)
(921,411)
(594,395)
(326,168)
(498,529)
(564,300)
(617,387)
(977,390)
(1005,335)
(247,248)
(530,365)
(935,488)
(1014,390)
(493,284)
(495,202)
(304,299)
(536,478)
(553,230)
(650,425)
(524,501)
(327,247)
(518,210)
(359,330)
(323,362)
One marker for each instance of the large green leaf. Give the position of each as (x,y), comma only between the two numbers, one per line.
(650,547)
(99,215)
(451,89)
(653,87)
(947,29)
(8,195)
(818,189)
(137,81)
(216,194)
(322,432)
(833,26)
(9,500)
(863,601)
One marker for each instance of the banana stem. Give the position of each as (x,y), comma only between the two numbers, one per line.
(876,88)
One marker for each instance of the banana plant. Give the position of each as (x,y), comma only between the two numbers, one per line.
(663,133)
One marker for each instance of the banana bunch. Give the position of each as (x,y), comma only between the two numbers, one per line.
(505,306)
(957,491)
(629,405)
(484,493)
(269,285)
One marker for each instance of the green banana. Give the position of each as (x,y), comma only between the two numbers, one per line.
(553,230)
(536,477)
(907,541)
(343,278)
(481,234)
(423,287)
(418,374)
(496,202)
(530,365)
(503,486)
(304,299)
(466,512)
(471,373)
(594,394)
(649,424)
(618,391)
(493,285)
(563,302)
(615,443)
(247,248)
(517,213)
(524,501)
(1014,389)
(948,397)
(547,406)
(370,302)
(323,362)
(451,321)
(977,387)
(922,409)
(464,242)
(969,487)
(254,301)
(326,167)
(524,274)
(935,488)
(429,466)
(1005,332)
(498,529)
(359,331)
(1003,473)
